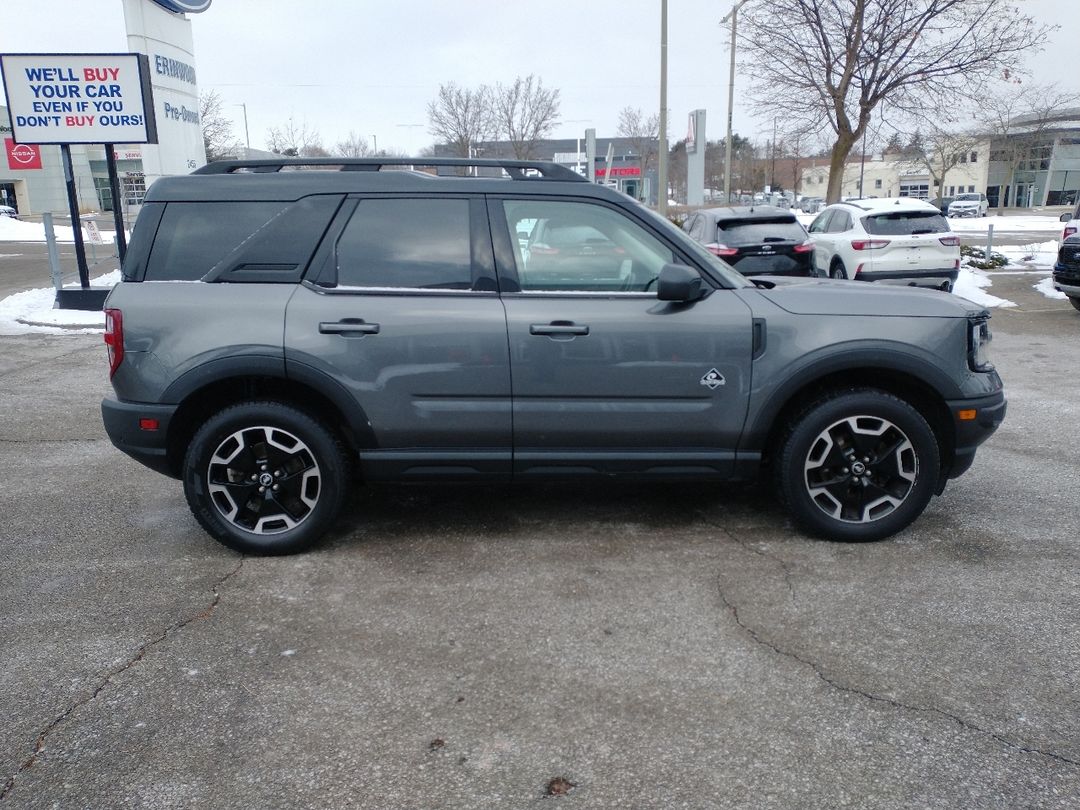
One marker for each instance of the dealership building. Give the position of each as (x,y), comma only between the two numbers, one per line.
(32,174)
(1048,174)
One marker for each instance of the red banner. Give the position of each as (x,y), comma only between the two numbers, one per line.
(620,171)
(22,156)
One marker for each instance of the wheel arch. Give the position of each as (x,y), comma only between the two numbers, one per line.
(923,387)
(303,388)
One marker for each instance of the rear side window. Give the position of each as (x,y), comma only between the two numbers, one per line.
(737,233)
(193,237)
(406,243)
(906,223)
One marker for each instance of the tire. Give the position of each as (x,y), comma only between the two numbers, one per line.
(888,451)
(837,270)
(265,478)
(1075,302)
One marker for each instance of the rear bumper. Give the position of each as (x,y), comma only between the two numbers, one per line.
(970,433)
(934,277)
(1067,279)
(123,424)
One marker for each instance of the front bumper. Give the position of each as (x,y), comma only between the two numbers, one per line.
(1067,279)
(964,212)
(124,425)
(971,432)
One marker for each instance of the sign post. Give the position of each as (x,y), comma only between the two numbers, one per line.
(89,98)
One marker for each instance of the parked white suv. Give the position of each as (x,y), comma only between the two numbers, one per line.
(896,241)
(969,205)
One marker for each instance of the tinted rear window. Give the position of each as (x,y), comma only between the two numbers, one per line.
(193,237)
(736,233)
(906,223)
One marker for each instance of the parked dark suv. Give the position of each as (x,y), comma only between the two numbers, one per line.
(278,333)
(1067,269)
(756,241)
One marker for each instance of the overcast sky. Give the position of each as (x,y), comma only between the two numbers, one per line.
(372,68)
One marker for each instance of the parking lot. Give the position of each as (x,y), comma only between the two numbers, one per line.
(604,646)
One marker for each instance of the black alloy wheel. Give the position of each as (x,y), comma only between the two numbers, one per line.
(265,478)
(858,465)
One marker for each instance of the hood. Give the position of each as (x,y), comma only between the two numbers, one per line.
(834,298)
(965,204)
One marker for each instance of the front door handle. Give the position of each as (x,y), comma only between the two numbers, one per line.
(347,327)
(558,328)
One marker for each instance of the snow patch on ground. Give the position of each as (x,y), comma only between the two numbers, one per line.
(1046,287)
(32,311)
(15,230)
(971,283)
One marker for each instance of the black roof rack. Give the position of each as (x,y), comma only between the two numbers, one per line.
(516,169)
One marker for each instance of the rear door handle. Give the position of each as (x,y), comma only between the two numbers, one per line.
(348,326)
(558,328)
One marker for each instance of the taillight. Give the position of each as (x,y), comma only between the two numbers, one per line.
(805,247)
(1068,232)
(114,339)
(543,250)
(950,241)
(717,249)
(868,244)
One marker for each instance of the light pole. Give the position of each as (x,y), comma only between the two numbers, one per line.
(734,15)
(577,141)
(247,138)
(662,161)
(375,145)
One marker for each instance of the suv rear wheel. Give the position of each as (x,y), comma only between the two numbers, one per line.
(837,270)
(265,478)
(1074,301)
(858,465)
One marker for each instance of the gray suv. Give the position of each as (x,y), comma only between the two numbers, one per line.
(283,327)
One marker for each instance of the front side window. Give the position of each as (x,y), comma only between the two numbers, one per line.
(820,224)
(406,243)
(579,247)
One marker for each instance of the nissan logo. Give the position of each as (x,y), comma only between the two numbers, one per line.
(21,153)
(184,6)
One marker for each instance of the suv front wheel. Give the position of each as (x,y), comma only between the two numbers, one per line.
(265,478)
(858,465)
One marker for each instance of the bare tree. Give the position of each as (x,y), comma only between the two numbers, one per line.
(461,117)
(938,152)
(354,146)
(216,127)
(843,59)
(292,139)
(525,112)
(643,133)
(1019,121)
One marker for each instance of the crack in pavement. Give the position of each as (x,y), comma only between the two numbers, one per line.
(784,568)
(964,724)
(140,653)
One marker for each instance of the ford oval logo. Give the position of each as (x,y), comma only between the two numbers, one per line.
(184,6)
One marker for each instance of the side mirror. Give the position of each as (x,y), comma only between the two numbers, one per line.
(1065,218)
(679,283)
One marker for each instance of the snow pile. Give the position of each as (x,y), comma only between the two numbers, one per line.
(15,230)
(1010,224)
(1046,287)
(32,311)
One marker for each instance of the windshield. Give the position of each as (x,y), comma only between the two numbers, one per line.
(966,197)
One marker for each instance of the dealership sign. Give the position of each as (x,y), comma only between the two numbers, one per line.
(22,156)
(79,98)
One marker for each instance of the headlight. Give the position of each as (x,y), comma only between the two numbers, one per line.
(978,340)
